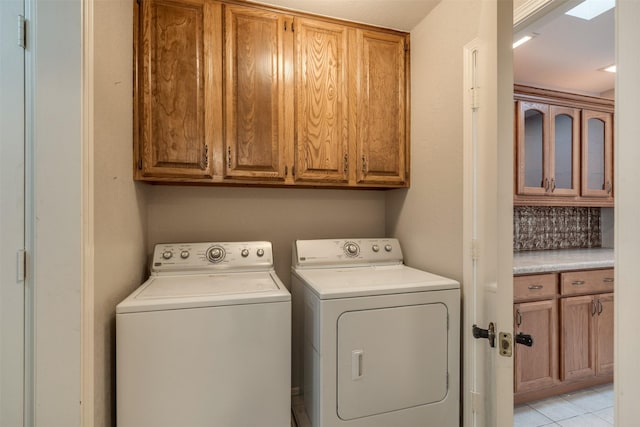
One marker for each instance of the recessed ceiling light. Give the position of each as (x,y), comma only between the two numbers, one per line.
(589,9)
(522,41)
(610,68)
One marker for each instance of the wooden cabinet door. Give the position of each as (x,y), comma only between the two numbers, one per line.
(532,148)
(255,93)
(322,101)
(604,333)
(382,122)
(536,367)
(578,337)
(597,154)
(564,151)
(178,118)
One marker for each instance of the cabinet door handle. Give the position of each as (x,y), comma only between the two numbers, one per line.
(535,287)
(608,187)
(346,163)
(608,280)
(546,184)
(594,309)
(553,184)
(364,164)
(600,308)
(518,318)
(578,282)
(229,157)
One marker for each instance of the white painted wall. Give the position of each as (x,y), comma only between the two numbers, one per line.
(119,202)
(428,217)
(279,215)
(627,220)
(54,221)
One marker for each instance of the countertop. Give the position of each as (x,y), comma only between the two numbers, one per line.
(528,262)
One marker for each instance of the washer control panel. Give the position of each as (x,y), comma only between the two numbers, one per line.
(184,257)
(333,252)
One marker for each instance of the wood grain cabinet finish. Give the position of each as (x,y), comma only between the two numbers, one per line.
(570,317)
(322,100)
(536,367)
(563,149)
(234,93)
(254,84)
(382,108)
(177,116)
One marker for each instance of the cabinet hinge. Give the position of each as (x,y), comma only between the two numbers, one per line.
(22,265)
(22,32)
(140,164)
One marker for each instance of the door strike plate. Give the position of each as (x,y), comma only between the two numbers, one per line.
(505,343)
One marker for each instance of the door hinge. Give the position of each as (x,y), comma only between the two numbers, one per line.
(22,265)
(22,32)
(475,250)
(475,96)
(476,402)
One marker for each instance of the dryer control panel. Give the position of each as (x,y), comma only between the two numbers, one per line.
(207,256)
(349,252)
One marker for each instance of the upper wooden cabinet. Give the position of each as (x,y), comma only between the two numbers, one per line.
(234,93)
(563,148)
(176,115)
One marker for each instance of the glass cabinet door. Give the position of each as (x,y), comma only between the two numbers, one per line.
(532,148)
(564,151)
(597,156)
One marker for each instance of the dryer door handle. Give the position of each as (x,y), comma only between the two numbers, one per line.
(356,364)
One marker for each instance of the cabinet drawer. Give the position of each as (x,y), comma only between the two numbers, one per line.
(534,287)
(587,282)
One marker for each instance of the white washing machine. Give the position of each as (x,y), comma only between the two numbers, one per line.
(206,340)
(379,341)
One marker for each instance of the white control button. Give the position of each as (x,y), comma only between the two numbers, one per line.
(375,248)
(387,248)
(245,253)
(260,252)
(184,254)
(167,254)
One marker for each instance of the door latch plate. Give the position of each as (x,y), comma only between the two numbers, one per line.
(505,343)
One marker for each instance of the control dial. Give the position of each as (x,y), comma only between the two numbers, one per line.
(388,248)
(260,252)
(244,253)
(375,248)
(167,254)
(351,249)
(215,254)
(184,254)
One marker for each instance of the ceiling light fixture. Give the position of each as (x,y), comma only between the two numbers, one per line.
(589,9)
(522,41)
(610,68)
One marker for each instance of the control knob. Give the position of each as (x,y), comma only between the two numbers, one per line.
(167,254)
(351,249)
(244,253)
(215,254)
(387,248)
(375,248)
(184,254)
(260,252)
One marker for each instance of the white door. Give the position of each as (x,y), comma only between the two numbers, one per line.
(11,214)
(488,211)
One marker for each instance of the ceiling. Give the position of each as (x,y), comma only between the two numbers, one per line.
(567,53)
(397,14)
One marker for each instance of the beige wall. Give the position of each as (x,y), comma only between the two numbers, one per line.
(428,217)
(279,215)
(119,203)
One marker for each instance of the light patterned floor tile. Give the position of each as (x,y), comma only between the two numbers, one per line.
(585,420)
(556,408)
(589,400)
(525,416)
(606,414)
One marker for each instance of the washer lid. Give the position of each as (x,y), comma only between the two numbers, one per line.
(330,283)
(204,290)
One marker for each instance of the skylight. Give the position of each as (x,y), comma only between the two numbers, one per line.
(589,9)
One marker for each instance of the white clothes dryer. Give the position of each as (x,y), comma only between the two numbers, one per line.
(379,340)
(206,340)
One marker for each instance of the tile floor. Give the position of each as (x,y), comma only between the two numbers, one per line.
(591,407)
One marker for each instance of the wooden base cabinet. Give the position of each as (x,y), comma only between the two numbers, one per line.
(570,318)
(236,93)
(537,366)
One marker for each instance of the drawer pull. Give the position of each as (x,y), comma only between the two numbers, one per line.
(578,282)
(535,287)
(518,318)
(608,280)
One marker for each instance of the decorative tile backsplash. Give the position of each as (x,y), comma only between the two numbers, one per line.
(555,227)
